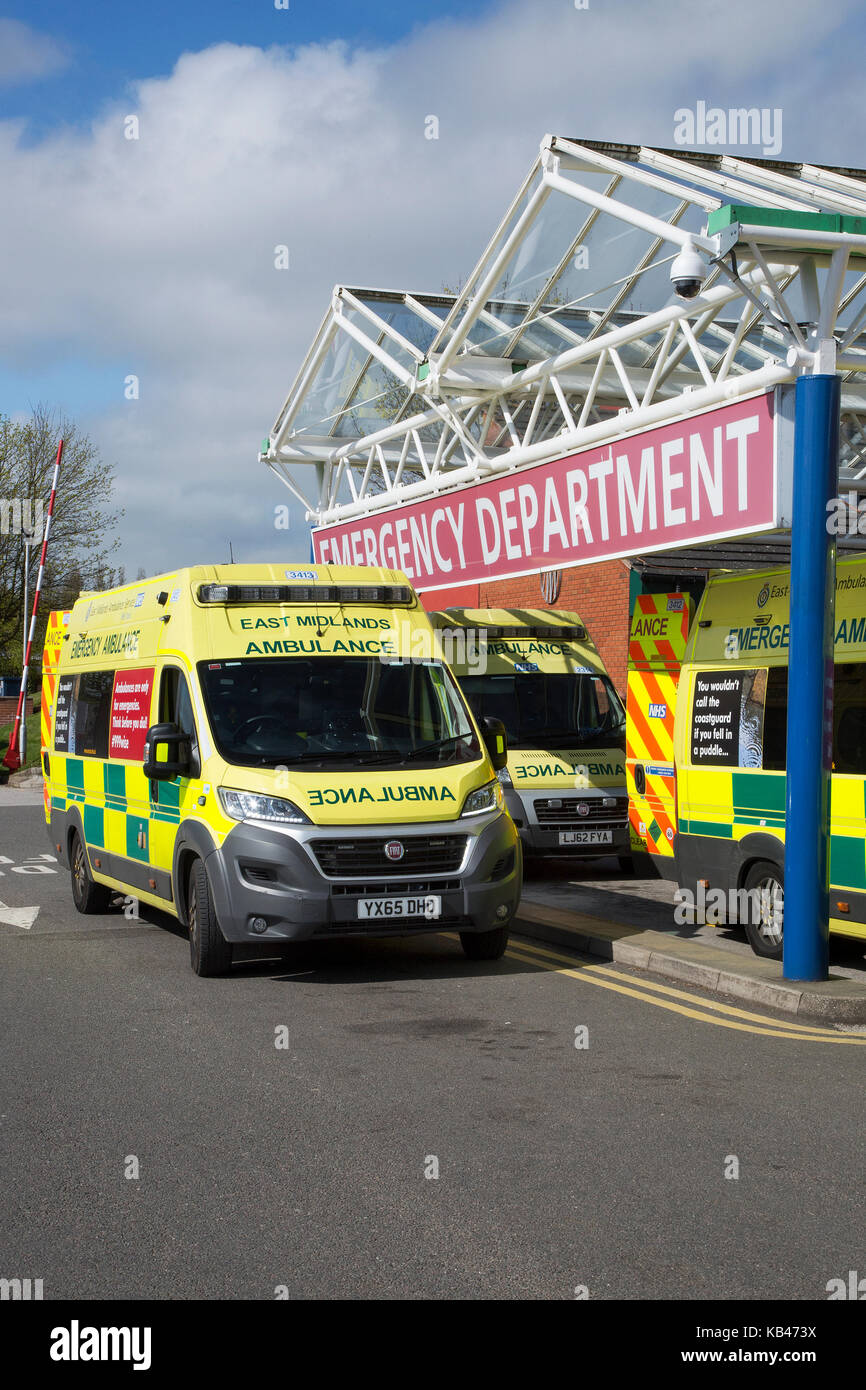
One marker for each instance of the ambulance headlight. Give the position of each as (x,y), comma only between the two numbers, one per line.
(487,798)
(504,777)
(254,806)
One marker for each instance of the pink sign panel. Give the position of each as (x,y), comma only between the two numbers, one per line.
(130,713)
(696,480)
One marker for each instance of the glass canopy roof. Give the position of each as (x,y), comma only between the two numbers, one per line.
(568,331)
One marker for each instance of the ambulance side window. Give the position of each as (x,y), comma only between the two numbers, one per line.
(90,712)
(175,707)
(776,720)
(849,718)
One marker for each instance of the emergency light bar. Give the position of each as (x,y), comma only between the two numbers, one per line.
(305,593)
(568,634)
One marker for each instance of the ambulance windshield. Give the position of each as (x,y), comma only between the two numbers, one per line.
(336,710)
(542,709)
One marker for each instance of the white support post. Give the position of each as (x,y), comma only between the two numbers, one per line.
(563,403)
(832,293)
(661,358)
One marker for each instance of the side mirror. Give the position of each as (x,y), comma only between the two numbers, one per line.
(496,742)
(161,765)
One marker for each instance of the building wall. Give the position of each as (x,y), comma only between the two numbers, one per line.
(599,593)
(9,706)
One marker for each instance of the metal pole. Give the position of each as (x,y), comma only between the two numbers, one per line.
(22,737)
(810,680)
(13,755)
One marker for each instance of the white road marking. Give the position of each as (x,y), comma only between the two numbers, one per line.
(18,916)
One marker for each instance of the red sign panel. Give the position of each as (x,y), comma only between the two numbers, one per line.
(700,479)
(130,713)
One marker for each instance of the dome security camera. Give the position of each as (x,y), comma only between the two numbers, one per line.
(688,273)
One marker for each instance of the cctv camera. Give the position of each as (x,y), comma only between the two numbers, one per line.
(688,273)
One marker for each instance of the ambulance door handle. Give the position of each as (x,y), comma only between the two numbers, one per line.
(639,779)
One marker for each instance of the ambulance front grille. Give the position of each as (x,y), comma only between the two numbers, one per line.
(437,854)
(405,887)
(559,810)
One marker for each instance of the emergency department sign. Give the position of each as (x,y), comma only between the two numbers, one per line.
(713,475)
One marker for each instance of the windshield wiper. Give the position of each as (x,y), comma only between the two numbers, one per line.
(436,744)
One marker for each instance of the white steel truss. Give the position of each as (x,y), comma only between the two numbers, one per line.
(568,332)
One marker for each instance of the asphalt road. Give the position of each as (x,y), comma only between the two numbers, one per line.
(261,1166)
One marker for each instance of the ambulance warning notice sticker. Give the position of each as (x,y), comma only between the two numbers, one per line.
(130,713)
(716,717)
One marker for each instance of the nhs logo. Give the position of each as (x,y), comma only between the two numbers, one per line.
(658,711)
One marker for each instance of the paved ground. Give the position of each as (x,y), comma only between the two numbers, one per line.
(559,1166)
(597,887)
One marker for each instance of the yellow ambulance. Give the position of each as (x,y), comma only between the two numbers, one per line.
(716,825)
(537,671)
(276,753)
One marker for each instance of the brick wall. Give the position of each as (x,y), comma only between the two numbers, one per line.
(9,706)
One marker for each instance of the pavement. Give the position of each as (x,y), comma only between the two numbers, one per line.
(28,795)
(589,907)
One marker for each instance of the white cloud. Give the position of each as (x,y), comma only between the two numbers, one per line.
(26,56)
(157,254)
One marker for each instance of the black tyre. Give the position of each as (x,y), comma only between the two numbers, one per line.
(626,865)
(209,952)
(765,916)
(88,897)
(484,945)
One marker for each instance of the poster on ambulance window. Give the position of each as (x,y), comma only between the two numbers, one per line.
(130,714)
(728,718)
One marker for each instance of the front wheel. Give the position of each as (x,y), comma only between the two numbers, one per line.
(209,952)
(765,911)
(484,945)
(88,897)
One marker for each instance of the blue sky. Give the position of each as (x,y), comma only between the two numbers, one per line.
(305,127)
(108,43)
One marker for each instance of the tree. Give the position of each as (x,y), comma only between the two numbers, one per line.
(82,538)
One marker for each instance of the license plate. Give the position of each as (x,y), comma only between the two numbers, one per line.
(586,837)
(386,909)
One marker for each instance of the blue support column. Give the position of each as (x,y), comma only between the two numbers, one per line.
(810,680)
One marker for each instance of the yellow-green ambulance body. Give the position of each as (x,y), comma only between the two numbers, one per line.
(276,753)
(730,739)
(538,672)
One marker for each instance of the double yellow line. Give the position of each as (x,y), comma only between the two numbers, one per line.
(665,997)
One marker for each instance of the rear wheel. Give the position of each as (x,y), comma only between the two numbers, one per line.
(484,945)
(765,913)
(88,897)
(209,952)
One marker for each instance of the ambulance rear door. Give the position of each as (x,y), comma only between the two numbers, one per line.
(657,643)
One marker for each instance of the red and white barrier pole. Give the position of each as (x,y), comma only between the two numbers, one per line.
(13,754)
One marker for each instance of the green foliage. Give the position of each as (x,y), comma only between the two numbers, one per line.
(82,539)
